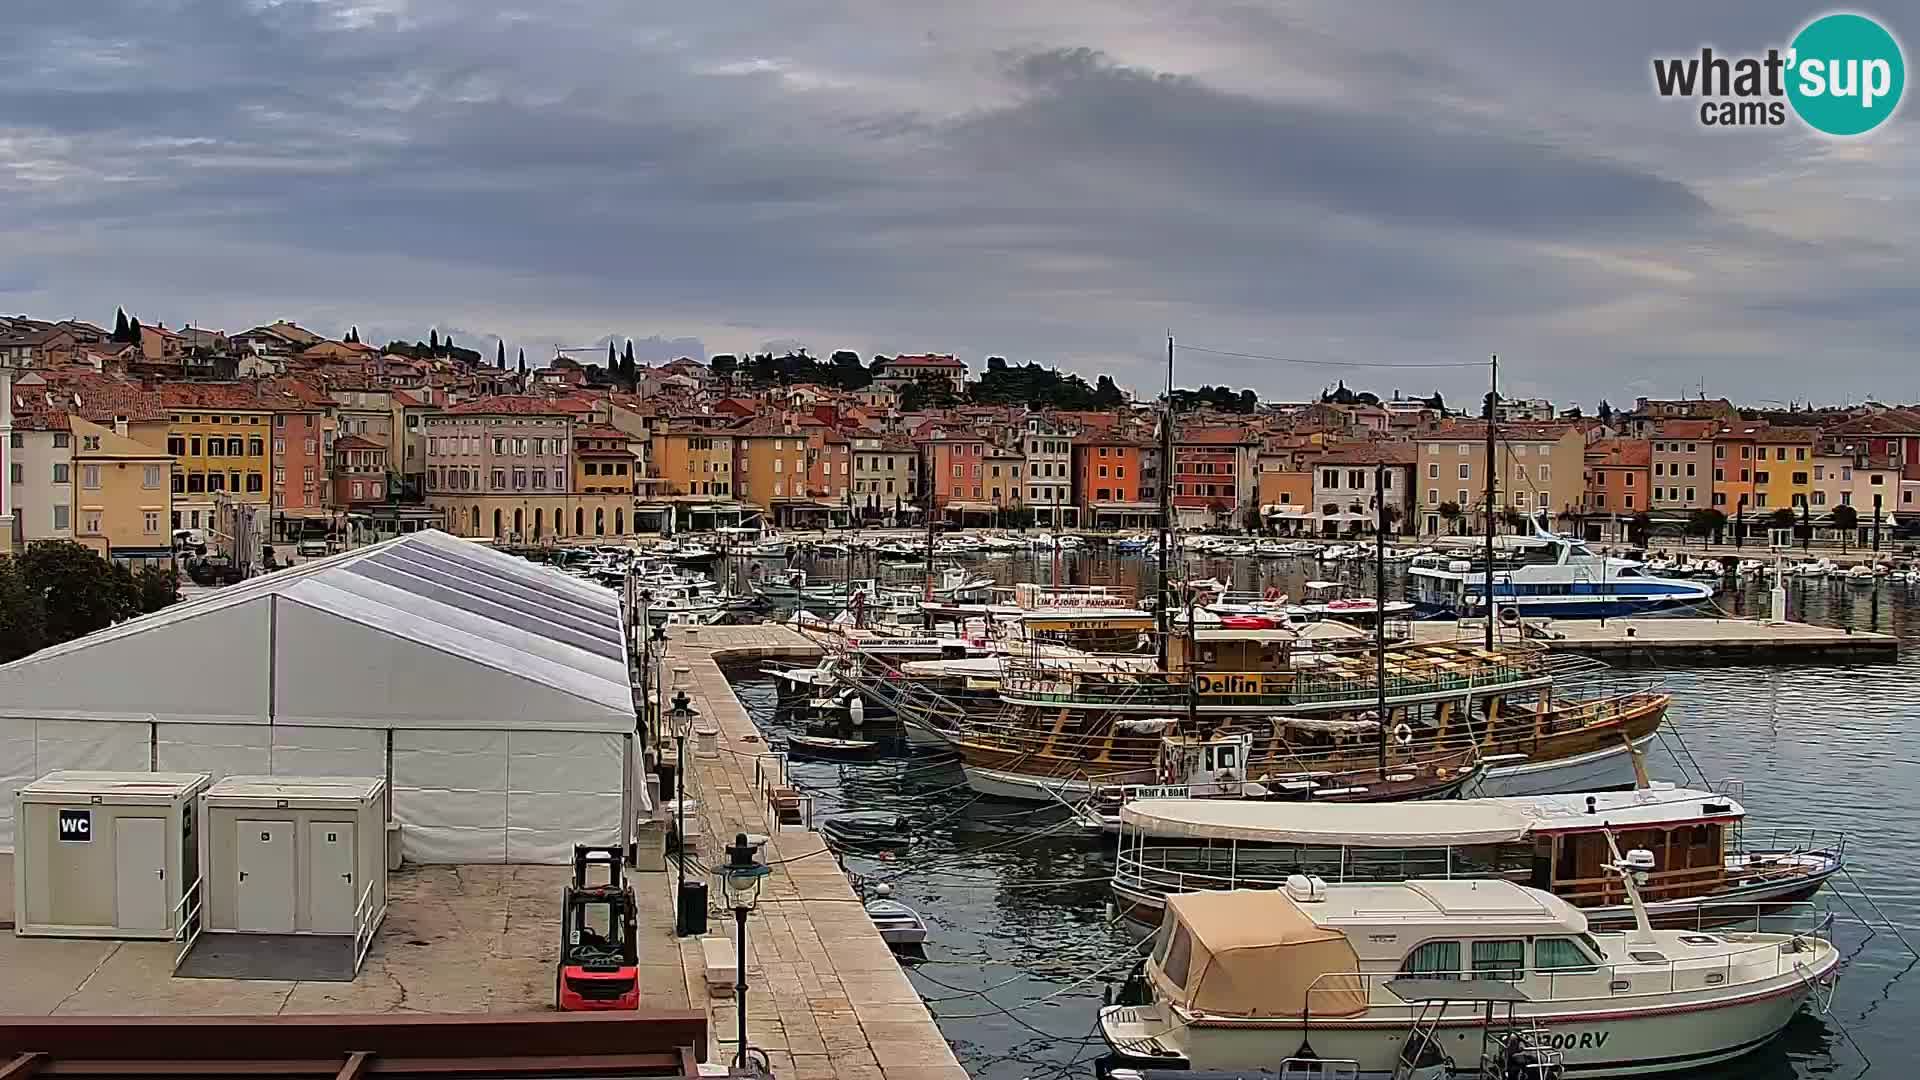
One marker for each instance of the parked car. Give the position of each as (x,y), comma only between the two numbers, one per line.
(311,549)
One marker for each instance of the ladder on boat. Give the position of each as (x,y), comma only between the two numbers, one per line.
(882,682)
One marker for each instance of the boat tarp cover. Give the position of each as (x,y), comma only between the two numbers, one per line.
(1255,953)
(1404,824)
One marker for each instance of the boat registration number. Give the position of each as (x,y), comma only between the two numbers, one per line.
(1574,1040)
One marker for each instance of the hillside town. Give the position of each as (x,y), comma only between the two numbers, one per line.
(135,440)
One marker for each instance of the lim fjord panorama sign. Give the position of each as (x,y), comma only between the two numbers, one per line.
(1841,75)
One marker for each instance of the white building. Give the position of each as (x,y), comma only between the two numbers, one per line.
(490,693)
(1049,448)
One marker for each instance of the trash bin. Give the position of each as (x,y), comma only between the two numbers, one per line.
(693,908)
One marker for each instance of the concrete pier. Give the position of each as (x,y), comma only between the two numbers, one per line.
(1629,642)
(827,1000)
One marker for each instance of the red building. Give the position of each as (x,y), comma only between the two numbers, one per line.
(1212,473)
(359,472)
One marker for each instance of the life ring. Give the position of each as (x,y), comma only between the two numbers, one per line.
(1509,616)
(1403,734)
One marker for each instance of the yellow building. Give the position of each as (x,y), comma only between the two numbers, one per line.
(219,439)
(1783,467)
(602,464)
(693,460)
(1539,468)
(122,492)
(771,463)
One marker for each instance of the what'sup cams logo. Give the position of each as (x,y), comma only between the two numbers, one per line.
(1842,75)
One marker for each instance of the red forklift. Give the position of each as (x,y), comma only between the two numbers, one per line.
(599,966)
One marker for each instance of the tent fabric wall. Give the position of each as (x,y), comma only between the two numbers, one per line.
(450,795)
(563,789)
(31,748)
(219,749)
(304,750)
(208,664)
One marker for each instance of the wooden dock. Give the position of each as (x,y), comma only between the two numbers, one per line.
(1645,641)
(827,1000)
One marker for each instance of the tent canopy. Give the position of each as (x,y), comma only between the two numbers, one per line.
(1255,953)
(425,630)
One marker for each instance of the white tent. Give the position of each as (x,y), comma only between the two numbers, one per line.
(491,693)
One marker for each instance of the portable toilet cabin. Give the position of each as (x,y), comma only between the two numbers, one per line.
(106,854)
(295,855)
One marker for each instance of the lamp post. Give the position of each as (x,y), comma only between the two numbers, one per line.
(659,698)
(741,879)
(682,720)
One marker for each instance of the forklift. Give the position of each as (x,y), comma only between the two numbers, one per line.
(599,966)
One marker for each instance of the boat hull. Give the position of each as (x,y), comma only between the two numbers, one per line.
(1596,770)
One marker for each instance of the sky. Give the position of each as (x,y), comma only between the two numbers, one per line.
(1063,182)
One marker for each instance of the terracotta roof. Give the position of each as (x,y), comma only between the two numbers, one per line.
(1620,453)
(598,431)
(512,405)
(1475,429)
(1684,429)
(407,401)
(101,398)
(1371,453)
(1899,421)
(197,395)
(1213,436)
(356,442)
(1789,435)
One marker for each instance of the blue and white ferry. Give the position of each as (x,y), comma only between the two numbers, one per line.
(1543,575)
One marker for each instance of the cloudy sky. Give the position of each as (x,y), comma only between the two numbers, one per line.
(1062,181)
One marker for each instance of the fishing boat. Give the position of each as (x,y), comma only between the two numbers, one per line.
(1713,868)
(1544,575)
(899,925)
(1061,733)
(1323,980)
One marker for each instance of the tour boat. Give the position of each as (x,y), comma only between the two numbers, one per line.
(1713,868)
(1324,980)
(1544,575)
(1062,732)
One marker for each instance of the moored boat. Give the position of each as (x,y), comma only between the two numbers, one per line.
(1711,867)
(1317,974)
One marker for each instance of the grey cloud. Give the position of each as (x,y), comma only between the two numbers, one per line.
(1056,184)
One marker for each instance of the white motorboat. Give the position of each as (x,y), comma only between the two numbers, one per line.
(1860,575)
(1547,575)
(768,549)
(1278,980)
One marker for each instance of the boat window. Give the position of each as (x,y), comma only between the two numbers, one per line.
(1626,571)
(1179,956)
(1433,960)
(1560,954)
(1504,959)
(1160,940)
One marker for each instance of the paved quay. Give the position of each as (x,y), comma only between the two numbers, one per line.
(1693,640)
(827,1000)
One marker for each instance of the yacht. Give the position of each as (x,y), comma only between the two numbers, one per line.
(1324,980)
(1543,575)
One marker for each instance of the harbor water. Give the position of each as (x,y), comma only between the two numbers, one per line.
(1022,944)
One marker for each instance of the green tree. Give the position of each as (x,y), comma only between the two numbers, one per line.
(23,613)
(1393,514)
(1706,522)
(1450,513)
(1846,519)
(1781,519)
(1107,395)
(723,365)
(927,392)
(1513,519)
(500,354)
(433,341)
(119,324)
(1605,412)
(80,591)
(1639,526)
(157,584)
(523,361)
(133,330)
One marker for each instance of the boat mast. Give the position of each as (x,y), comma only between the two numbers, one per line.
(1493,409)
(1380,607)
(1166,504)
(926,488)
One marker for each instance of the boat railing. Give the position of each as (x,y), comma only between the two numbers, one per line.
(1027,682)
(1605,982)
(1135,873)
(1788,840)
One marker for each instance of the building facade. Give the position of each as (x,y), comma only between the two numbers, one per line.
(1680,466)
(122,493)
(1537,467)
(220,442)
(1049,471)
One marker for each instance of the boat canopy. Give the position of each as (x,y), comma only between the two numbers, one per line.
(1254,953)
(1440,823)
(1403,824)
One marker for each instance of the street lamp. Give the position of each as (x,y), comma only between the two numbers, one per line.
(741,879)
(659,696)
(682,720)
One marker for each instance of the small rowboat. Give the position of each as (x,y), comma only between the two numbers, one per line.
(832,749)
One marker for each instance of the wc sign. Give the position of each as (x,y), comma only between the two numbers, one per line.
(76,826)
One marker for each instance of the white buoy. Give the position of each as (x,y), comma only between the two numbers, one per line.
(857,710)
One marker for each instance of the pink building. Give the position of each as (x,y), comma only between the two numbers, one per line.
(501,467)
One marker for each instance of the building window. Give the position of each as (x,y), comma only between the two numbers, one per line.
(60,439)
(150,477)
(90,477)
(60,472)
(60,517)
(1465,471)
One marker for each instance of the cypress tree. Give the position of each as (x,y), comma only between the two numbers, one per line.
(433,341)
(500,356)
(613,364)
(133,330)
(523,361)
(119,324)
